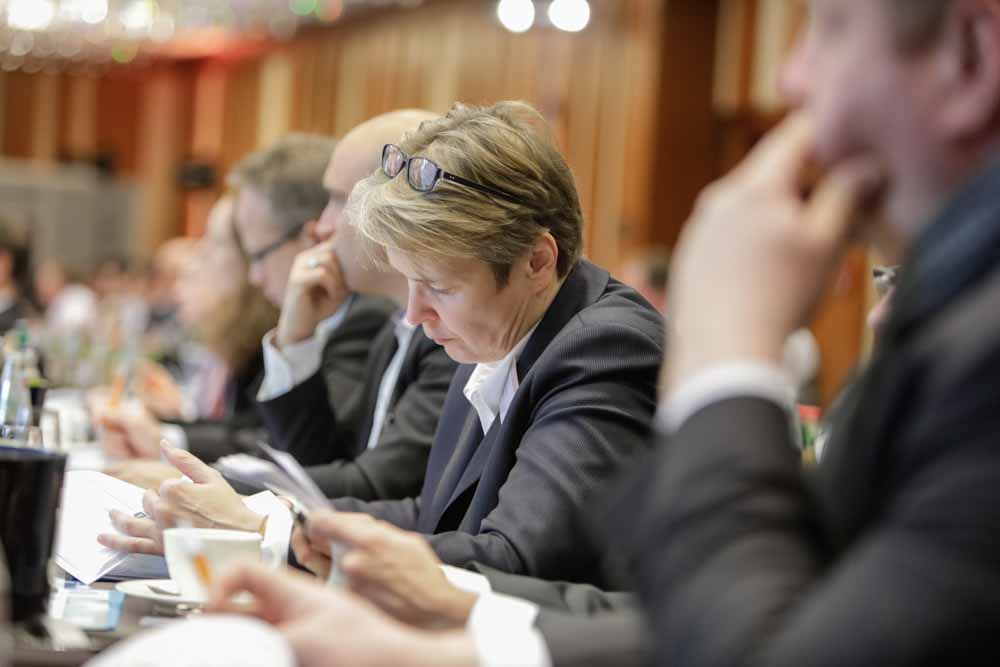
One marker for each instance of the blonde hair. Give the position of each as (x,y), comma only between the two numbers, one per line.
(506,146)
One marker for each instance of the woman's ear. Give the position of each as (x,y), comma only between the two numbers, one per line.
(544,257)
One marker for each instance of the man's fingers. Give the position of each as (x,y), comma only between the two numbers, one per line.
(355,530)
(149,500)
(360,567)
(133,526)
(134,545)
(257,580)
(782,154)
(189,464)
(841,200)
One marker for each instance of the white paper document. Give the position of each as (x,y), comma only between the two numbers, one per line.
(87,500)
(278,471)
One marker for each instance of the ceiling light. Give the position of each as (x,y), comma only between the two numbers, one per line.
(88,11)
(516,15)
(138,17)
(30,14)
(569,15)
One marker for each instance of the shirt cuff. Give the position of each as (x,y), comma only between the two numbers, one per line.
(175,435)
(277,532)
(503,630)
(466,580)
(289,366)
(725,381)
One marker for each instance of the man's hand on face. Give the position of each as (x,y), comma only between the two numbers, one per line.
(330,628)
(206,501)
(393,568)
(756,254)
(315,291)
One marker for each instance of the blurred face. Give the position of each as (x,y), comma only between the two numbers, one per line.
(461,308)
(257,231)
(866,97)
(214,274)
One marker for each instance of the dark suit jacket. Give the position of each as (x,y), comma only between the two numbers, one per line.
(892,556)
(308,423)
(290,417)
(582,410)
(346,351)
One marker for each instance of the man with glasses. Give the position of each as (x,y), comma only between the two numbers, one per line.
(280,198)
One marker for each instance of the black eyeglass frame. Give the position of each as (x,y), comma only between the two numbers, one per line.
(407,166)
(262,254)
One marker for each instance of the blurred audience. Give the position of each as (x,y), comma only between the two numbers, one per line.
(227,316)
(69,304)
(15,303)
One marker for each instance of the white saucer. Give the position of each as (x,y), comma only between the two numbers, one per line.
(140,588)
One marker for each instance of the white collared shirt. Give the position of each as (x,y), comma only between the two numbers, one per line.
(387,387)
(292,365)
(492,386)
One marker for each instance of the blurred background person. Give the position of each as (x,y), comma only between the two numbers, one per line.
(69,305)
(227,317)
(649,273)
(15,301)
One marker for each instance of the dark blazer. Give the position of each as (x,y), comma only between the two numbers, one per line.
(891,555)
(308,423)
(346,352)
(582,410)
(290,417)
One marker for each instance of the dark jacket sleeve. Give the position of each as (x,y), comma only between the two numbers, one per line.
(557,596)
(400,513)
(592,398)
(327,409)
(395,467)
(733,570)
(620,639)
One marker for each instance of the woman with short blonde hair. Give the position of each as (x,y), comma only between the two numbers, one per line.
(479,212)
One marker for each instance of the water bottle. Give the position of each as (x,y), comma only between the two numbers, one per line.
(15,400)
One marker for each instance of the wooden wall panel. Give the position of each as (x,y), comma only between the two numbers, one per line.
(456,51)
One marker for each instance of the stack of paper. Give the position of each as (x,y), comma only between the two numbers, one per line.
(87,499)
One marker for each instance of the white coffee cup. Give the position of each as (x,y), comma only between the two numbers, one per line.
(197,557)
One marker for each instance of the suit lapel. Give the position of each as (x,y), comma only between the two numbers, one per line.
(474,468)
(467,442)
(382,350)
